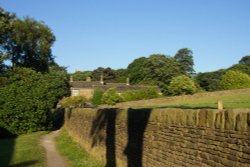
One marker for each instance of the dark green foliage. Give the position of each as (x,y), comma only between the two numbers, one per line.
(148,93)
(241,67)
(210,81)
(136,70)
(108,74)
(245,60)
(182,85)
(235,80)
(185,58)
(27,99)
(111,97)
(97,97)
(121,75)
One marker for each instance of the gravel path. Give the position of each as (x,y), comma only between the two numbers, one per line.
(54,159)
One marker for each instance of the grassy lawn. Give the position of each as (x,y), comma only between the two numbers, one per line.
(231,99)
(75,155)
(22,151)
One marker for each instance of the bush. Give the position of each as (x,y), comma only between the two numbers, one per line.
(27,100)
(182,85)
(97,97)
(133,95)
(111,97)
(73,102)
(235,80)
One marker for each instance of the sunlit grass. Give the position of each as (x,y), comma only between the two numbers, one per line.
(75,155)
(24,150)
(231,99)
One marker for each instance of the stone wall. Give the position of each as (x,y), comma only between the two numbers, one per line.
(163,137)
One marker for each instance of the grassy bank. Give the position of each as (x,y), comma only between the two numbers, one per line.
(23,150)
(232,99)
(75,155)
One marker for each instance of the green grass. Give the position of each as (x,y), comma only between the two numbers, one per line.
(75,155)
(22,151)
(232,99)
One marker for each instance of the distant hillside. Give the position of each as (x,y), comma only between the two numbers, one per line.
(239,98)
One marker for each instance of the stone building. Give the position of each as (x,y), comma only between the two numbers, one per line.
(86,88)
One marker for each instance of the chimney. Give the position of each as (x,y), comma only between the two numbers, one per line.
(101,80)
(88,79)
(71,79)
(127,82)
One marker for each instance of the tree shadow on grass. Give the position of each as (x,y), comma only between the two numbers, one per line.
(7,145)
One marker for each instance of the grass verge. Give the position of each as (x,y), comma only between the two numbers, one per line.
(75,155)
(24,150)
(231,98)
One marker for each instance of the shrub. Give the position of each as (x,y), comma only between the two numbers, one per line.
(111,97)
(27,99)
(97,97)
(133,95)
(72,102)
(182,85)
(235,80)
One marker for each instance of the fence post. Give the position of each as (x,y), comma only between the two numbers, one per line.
(220,105)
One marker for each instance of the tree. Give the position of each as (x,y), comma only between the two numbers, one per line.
(26,43)
(210,81)
(136,70)
(81,75)
(121,75)
(108,74)
(182,85)
(245,60)
(185,58)
(241,67)
(235,80)
(157,69)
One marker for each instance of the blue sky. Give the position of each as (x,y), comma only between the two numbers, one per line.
(112,33)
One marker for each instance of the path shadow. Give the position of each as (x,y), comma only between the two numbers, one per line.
(137,123)
(7,145)
(105,120)
(57,117)
(24,164)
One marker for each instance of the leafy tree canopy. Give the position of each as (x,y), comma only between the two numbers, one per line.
(185,58)
(235,80)
(245,60)
(26,43)
(182,85)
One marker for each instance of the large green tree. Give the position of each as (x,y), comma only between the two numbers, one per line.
(157,69)
(25,42)
(184,56)
(108,74)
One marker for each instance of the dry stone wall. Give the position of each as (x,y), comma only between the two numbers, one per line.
(163,137)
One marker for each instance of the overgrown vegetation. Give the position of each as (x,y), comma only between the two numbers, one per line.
(23,150)
(97,97)
(75,155)
(148,93)
(33,83)
(72,102)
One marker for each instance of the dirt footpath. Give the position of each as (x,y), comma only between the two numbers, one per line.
(54,159)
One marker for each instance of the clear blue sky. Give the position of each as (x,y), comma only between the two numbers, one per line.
(112,33)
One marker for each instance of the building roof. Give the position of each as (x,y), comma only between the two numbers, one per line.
(121,87)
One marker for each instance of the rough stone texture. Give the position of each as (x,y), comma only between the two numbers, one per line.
(163,137)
